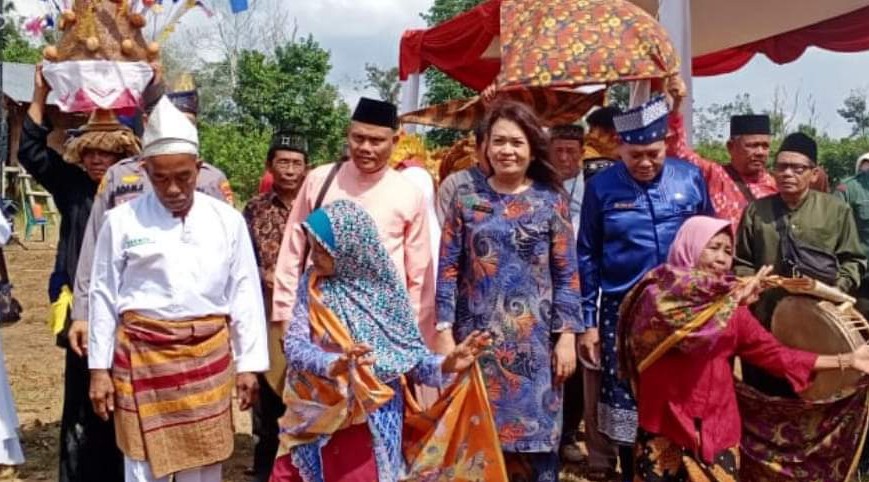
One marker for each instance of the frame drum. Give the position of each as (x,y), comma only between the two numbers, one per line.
(821,327)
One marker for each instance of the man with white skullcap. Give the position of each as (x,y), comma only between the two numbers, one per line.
(174,302)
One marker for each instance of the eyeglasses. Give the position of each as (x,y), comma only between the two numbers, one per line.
(798,169)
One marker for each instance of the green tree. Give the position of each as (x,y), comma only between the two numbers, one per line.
(239,150)
(619,95)
(14,47)
(288,90)
(711,124)
(383,81)
(439,87)
(838,156)
(855,112)
(713,150)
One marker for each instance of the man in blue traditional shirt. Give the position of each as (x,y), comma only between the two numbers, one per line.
(630,215)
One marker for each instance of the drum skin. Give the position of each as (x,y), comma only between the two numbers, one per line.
(806,323)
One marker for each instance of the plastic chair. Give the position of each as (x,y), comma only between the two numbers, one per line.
(33,217)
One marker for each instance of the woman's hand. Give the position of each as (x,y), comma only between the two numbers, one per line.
(589,346)
(860,360)
(361,354)
(564,358)
(463,356)
(444,342)
(750,292)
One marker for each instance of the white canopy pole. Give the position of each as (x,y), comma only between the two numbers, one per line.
(410,98)
(675,16)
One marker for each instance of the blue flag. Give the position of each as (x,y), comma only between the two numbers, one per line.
(238,6)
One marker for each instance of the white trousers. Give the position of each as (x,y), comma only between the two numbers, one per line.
(139,471)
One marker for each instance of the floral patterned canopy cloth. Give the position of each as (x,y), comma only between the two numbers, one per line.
(566,43)
(553,106)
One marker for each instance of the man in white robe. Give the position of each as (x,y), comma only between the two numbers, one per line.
(174,286)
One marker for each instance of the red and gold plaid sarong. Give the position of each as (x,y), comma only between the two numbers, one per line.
(173,388)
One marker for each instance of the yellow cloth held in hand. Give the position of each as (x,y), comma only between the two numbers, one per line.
(59,310)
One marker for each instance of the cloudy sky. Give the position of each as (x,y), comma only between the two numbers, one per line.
(360,31)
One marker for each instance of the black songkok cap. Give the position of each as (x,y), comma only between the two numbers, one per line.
(376,112)
(746,125)
(288,140)
(602,118)
(187,102)
(801,143)
(568,132)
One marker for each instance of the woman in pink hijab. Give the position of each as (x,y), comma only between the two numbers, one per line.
(680,328)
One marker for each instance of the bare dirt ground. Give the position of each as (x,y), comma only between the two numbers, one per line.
(35,368)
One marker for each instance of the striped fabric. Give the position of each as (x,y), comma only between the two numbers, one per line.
(553,106)
(173,387)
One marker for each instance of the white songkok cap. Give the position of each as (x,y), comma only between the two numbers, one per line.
(169,132)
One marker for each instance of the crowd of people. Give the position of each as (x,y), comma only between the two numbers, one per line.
(385,327)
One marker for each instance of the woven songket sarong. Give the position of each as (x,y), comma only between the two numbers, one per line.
(173,386)
(799,440)
(657,459)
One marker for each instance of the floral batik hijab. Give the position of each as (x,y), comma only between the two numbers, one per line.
(365,292)
(677,305)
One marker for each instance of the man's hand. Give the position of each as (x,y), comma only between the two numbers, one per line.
(247,387)
(41,89)
(269,277)
(78,337)
(589,346)
(564,358)
(157,67)
(40,86)
(102,393)
(676,91)
(489,94)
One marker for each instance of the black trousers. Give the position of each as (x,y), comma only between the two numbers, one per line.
(266,412)
(573,407)
(88,451)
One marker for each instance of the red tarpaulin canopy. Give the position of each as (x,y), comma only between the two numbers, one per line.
(456,47)
(467,46)
(846,33)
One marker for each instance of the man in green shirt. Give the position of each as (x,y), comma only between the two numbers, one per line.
(814,218)
(854,191)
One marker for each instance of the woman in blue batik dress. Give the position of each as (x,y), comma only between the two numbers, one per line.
(508,266)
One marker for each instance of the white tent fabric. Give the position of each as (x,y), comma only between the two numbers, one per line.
(721,24)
